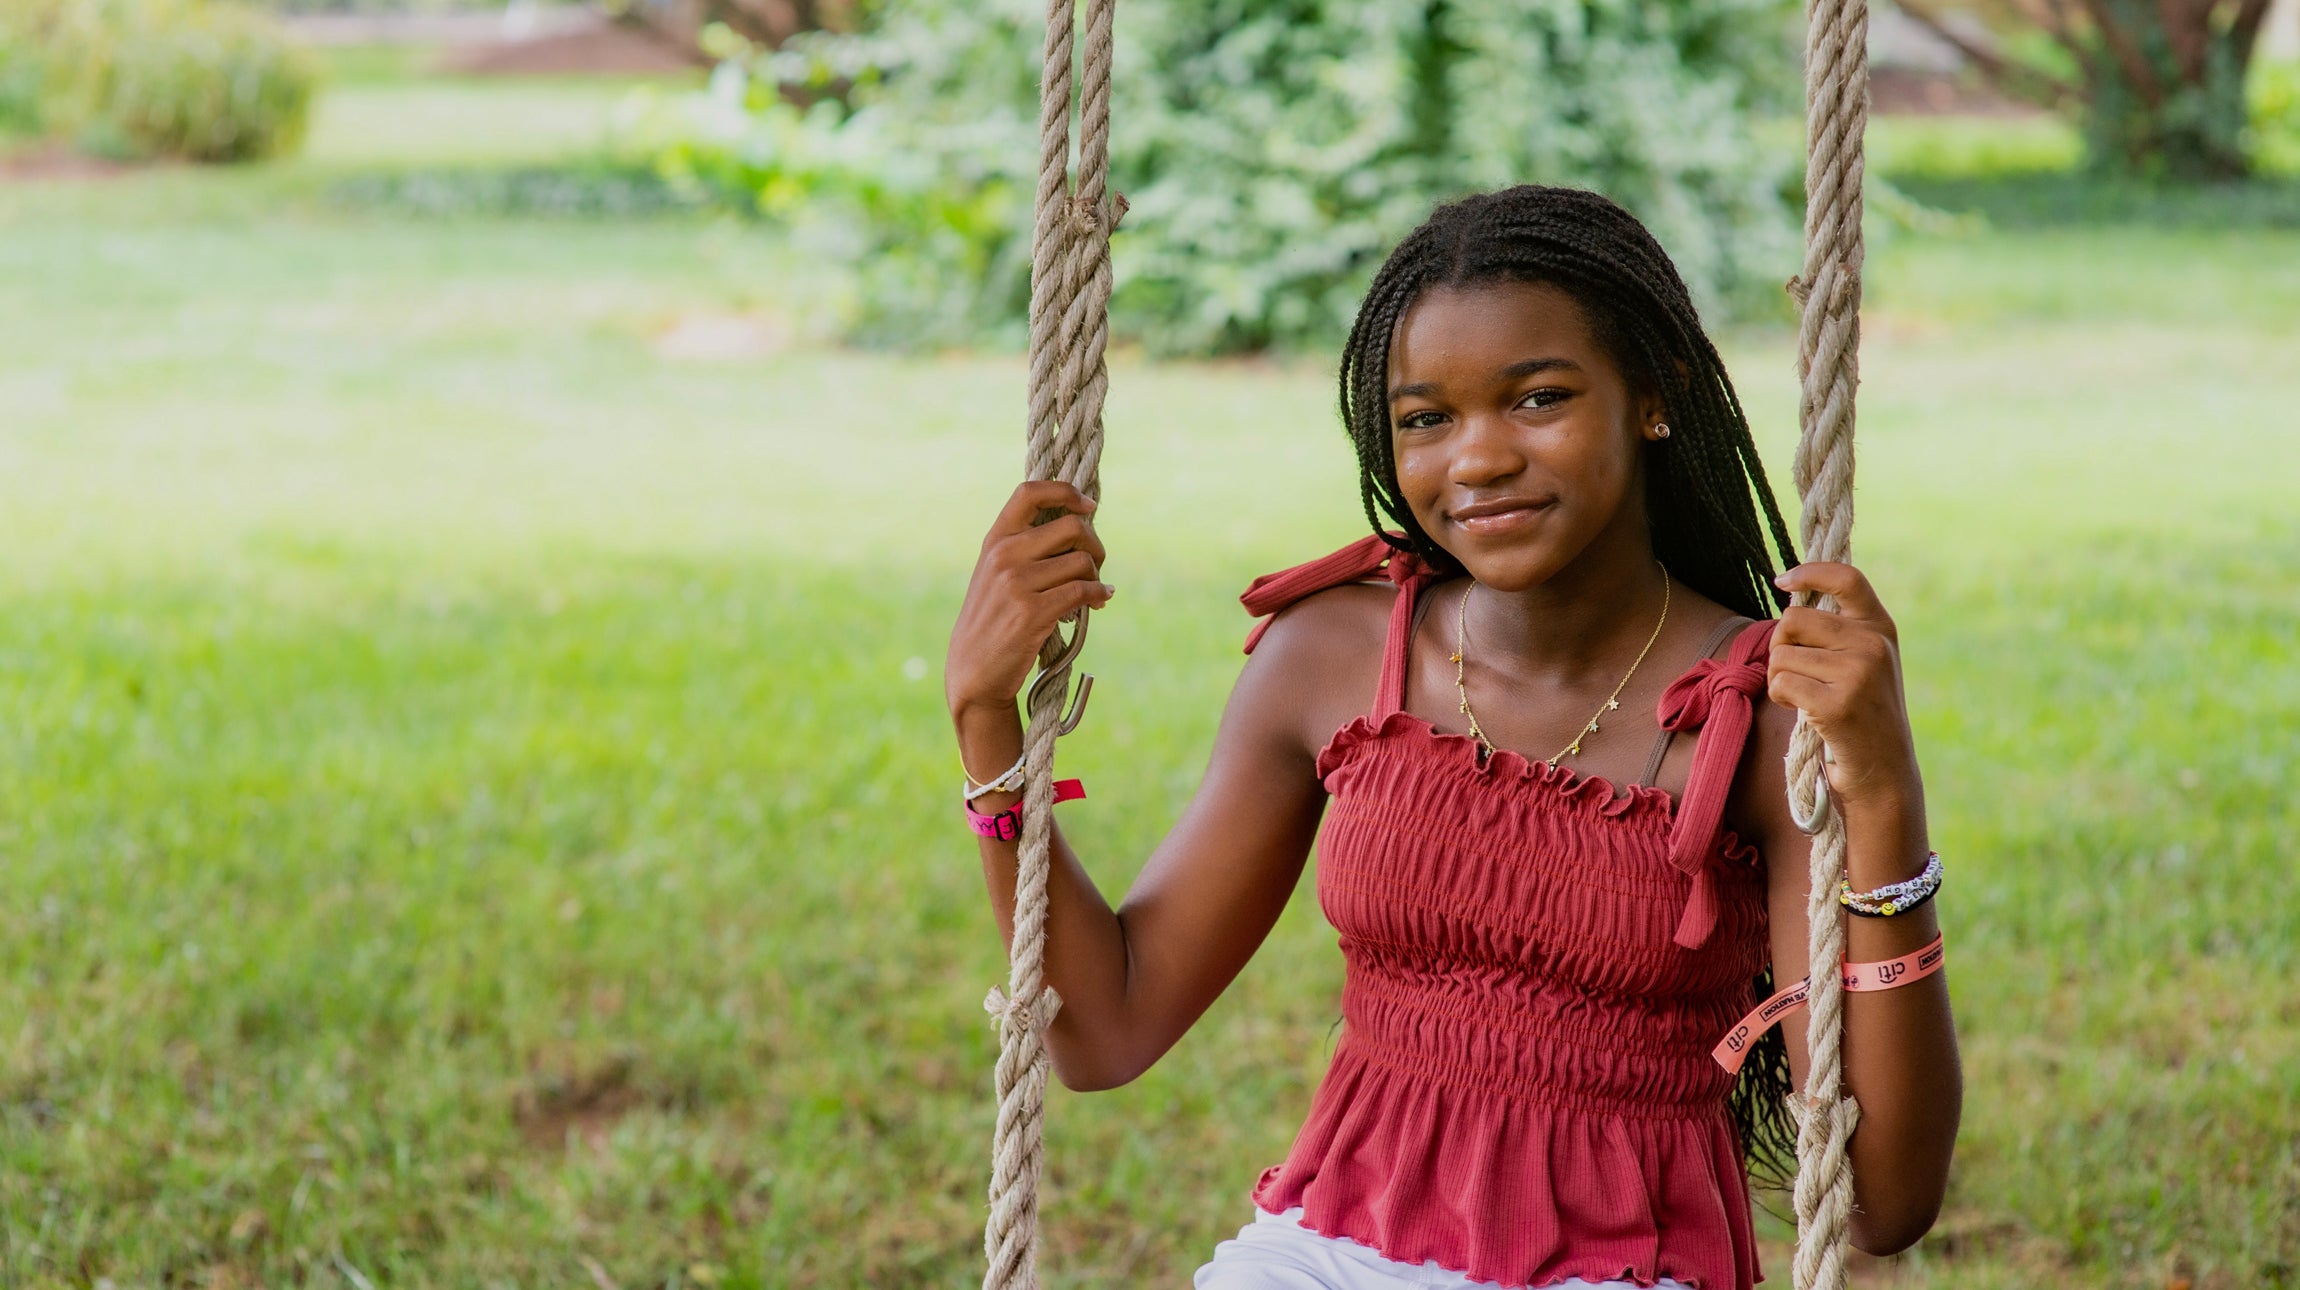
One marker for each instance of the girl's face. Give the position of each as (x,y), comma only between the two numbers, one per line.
(1516,436)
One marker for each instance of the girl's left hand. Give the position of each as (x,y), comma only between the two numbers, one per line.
(1842,669)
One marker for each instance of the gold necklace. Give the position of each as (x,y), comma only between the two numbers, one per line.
(1612,701)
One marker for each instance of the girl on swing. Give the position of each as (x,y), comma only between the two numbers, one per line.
(1526,723)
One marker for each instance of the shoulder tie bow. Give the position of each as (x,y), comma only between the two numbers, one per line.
(1717,697)
(1369,557)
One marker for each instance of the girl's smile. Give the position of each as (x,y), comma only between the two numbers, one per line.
(1501,517)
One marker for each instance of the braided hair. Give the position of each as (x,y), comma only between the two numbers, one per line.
(1709,506)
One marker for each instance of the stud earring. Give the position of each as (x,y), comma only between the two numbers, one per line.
(1661,430)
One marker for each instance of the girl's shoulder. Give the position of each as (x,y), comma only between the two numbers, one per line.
(1337,630)
(1316,664)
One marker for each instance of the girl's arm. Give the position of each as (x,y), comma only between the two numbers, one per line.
(1132,980)
(1900,1045)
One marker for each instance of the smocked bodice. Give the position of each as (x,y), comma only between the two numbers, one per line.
(1537,965)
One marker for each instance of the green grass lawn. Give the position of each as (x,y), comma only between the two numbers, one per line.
(466,122)
(473,790)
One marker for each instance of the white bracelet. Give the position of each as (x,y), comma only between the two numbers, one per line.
(1893,898)
(1009,782)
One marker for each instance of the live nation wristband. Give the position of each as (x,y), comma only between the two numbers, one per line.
(1006,825)
(1859,978)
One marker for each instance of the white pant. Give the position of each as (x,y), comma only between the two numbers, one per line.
(1275,1252)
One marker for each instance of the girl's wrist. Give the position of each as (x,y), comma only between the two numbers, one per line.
(989,736)
(983,715)
(1886,840)
(1893,851)
(1881,777)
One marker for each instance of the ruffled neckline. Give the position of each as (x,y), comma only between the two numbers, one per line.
(1594,793)
(1593,796)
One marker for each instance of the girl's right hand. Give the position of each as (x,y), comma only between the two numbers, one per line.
(1029,577)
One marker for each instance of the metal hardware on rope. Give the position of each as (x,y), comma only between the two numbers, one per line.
(1809,821)
(1053,675)
(1069,334)
(1828,296)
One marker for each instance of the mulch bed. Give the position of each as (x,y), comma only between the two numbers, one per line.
(57,161)
(610,47)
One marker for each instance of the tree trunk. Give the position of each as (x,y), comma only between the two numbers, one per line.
(766,23)
(2168,94)
(2161,93)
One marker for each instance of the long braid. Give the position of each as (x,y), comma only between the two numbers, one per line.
(1363,389)
(1715,523)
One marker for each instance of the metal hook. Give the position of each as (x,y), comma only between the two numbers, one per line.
(1077,705)
(1076,645)
(1811,824)
(1051,674)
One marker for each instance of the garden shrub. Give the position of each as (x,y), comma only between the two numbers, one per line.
(194,79)
(2275,104)
(1271,149)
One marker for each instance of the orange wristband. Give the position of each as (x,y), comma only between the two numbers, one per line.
(1859,978)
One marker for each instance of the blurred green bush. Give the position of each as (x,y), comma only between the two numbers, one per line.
(1272,150)
(2275,104)
(132,79)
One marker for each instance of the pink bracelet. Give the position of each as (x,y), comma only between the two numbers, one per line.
(1860,978)
(1006,825)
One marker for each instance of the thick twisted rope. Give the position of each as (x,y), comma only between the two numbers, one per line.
(1069,331)
(1828,292)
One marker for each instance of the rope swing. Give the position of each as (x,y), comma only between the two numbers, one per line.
(1069,331)
(1828,296)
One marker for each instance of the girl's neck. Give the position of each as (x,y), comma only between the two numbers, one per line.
(1578,621)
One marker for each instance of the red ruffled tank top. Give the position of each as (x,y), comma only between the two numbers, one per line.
(1536,969)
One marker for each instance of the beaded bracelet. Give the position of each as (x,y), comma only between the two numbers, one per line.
(1893,898)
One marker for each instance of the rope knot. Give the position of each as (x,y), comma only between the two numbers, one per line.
(1838,1118)
(1019,1016)
(1843,278)
(1089,217)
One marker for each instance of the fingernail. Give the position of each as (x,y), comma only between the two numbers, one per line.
(1108,591)
(1781,580)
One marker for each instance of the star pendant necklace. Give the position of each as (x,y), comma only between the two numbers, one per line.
(1612,701)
